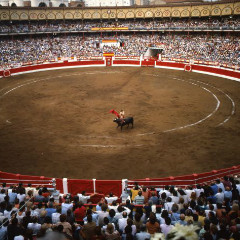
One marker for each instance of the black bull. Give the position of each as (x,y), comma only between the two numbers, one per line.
(122,122)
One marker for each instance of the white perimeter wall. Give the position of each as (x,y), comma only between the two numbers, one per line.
(19,3)
(35,3)
(98,3)
(56,3)
(4,3)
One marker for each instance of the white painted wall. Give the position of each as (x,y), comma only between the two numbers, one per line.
(56,3)
(35,3)
(19,3)
(4,3)
(103,3)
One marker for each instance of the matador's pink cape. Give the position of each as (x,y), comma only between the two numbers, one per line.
(115,112)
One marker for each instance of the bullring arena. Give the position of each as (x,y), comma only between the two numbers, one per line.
(72,168)
(59,120)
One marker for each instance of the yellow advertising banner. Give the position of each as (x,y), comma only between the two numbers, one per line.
(109,28)
(108,54)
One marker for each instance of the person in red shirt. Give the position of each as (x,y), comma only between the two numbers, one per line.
(153,226)
(226,182)
(145,193)
(45,192)
(152,190)
(80,213)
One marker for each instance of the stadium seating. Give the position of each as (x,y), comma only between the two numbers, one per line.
(218,44)
(197,206)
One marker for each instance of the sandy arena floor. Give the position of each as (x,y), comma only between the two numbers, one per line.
(57,123)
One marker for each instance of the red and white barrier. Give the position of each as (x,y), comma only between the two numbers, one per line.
(54,66)
(217,71)
(229,73)
(75,186)
(126,63)
(187,180)
(209,70)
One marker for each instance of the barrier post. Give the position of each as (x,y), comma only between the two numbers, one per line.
(54,183)
(195,176)
(94,185)
(160,57)
(141,57)
(124,184)
(65,185)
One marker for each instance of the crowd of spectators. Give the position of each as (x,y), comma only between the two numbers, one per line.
(207,212)
(204,47)
(224,23)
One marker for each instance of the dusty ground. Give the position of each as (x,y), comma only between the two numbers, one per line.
(57,123)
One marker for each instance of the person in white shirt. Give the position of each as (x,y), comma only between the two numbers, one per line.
(134,228)
(2,195)
(30,188)
(220,196)
(238,186)
(83,198)
(21,195)
(7,212)
(3,229)
(114,206)
(158,213)
(122,222)
(34,211)
(189,191)
(121,210)
(164,215)
(142,235)
(20,237)
(210,209)
(198,190)
(168,204)
(1,217)
(175,197)
(20,215)
(67,205)
(183,195)
(34,226)
(111,198)
(125,196)
(166,190)
(122,114)
(9,190)
(106,222)
(102,214)
(56,215)
(220,185)
(166,228)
